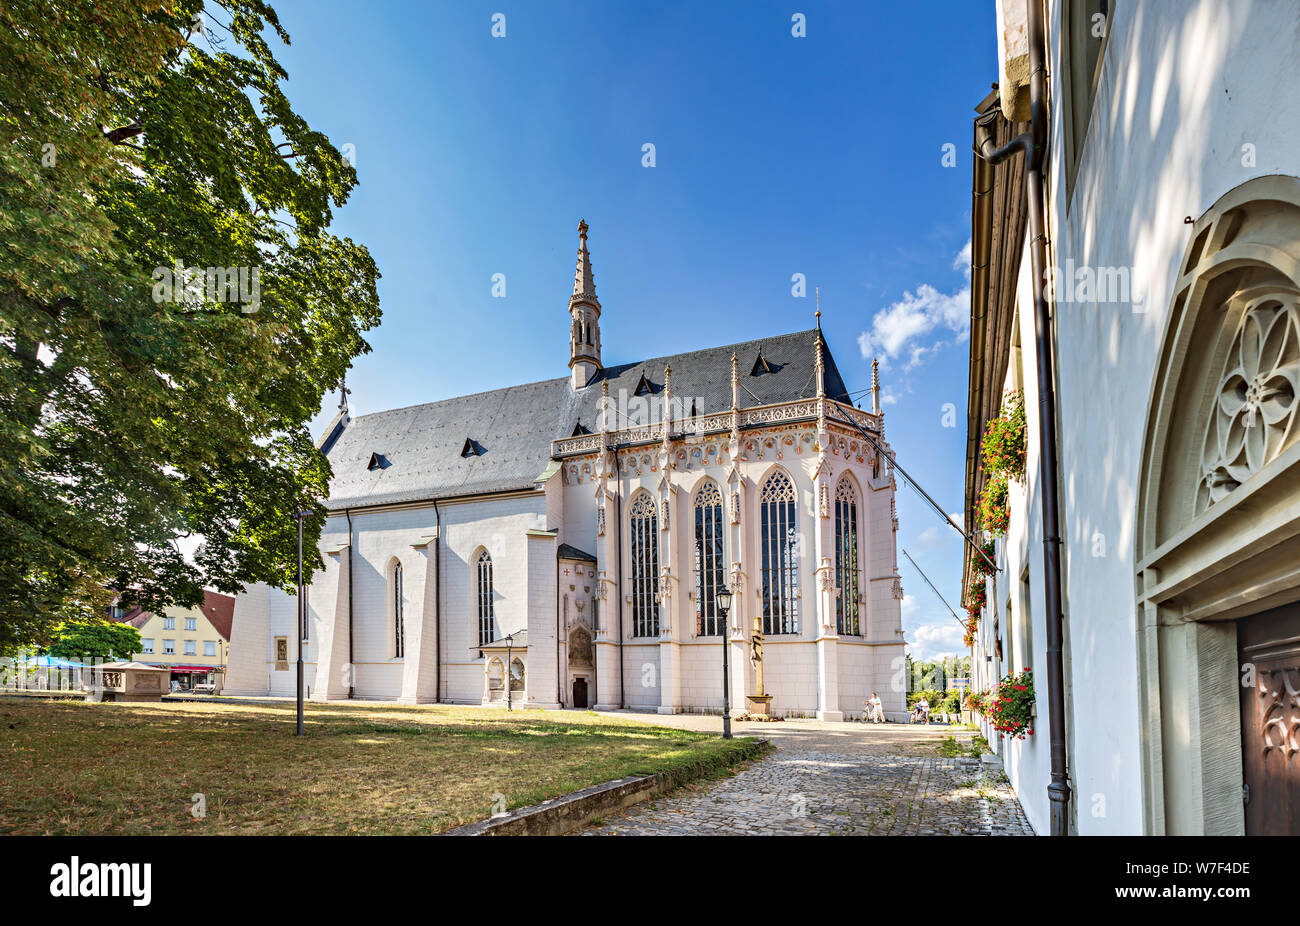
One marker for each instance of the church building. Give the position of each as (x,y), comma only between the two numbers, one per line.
(561,544)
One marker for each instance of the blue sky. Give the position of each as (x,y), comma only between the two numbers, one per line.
(774,155)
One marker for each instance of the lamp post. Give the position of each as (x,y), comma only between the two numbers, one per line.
(302,614)
(723,600)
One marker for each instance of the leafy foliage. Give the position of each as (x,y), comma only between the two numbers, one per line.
(1010,708)
(1004,439)
(94,638)
(995,506)
(989,549)
(133,139)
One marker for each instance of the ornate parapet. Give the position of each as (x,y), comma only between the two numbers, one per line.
(719,422)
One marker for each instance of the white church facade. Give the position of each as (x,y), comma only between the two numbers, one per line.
(561,544)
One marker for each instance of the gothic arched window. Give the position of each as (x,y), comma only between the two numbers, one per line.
(780,540)
(487,630)
(710,574)
(846,558)
(645,566)
(399,619)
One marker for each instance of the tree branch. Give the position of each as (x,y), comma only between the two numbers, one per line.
(117,136)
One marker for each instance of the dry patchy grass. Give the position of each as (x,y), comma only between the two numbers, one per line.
(80,768)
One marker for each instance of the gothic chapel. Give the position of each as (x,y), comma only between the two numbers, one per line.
(561,544)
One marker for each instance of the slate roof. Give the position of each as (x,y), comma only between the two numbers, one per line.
(514,426)
(567,551)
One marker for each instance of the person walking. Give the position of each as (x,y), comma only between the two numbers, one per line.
(875,713)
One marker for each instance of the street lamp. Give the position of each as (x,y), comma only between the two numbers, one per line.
(723,600)
(299,516)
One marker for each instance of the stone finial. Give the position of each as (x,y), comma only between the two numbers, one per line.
(875,385)
(735,381)
(819,364)
(584,281)
(667,404)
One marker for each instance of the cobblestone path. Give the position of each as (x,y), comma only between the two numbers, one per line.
(798,792)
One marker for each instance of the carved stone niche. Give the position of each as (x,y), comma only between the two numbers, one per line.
(580,653)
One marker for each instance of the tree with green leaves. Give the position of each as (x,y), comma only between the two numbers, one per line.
(93,638)
(146,402)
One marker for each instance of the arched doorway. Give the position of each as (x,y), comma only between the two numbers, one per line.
(1218,528)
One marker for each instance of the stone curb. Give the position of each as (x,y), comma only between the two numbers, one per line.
(572,811)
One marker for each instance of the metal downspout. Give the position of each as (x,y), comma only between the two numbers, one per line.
(618,542)
(437,605)
(352,671)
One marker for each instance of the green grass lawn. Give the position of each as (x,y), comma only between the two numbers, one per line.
(79,768)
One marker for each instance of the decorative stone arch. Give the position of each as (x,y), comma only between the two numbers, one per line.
(783,565)
(398,621)
(1218,510)
(707,544)
(580,651)
(477,577)
(702,485)
(849,506)
(642,562)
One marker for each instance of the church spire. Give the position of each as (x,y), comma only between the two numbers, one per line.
(584,313)
(584,283)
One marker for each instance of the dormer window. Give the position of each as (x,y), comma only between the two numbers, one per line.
(579,430)
(761,366)
(472,448)
(377,461)
(643,387)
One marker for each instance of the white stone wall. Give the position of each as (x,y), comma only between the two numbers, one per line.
(501,526)
(675,671)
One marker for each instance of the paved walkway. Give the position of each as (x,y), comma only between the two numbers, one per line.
(843,779)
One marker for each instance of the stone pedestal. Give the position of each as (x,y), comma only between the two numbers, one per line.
(760,705)
(130,681)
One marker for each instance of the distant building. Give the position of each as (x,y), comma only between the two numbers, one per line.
(192,642)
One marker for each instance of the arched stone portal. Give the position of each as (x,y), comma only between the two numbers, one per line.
(1218,523)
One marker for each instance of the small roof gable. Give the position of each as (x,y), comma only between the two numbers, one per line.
(565,551)
(761,365)
(519,641)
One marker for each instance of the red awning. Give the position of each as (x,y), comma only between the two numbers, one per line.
(190,668)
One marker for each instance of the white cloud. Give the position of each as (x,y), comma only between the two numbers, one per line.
(937,535)
(935,640)
(897,329)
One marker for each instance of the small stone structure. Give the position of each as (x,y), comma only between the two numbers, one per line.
(130,681)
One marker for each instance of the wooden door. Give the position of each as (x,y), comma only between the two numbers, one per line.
(579,692)
(1269,645)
